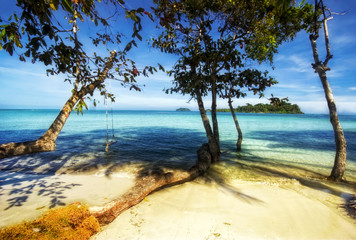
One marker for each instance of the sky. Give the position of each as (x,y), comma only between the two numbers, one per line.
(26,85)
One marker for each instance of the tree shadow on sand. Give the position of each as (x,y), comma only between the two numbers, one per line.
(263,169)
(23,176)
(150,150)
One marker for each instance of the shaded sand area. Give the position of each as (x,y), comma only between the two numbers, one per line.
(234,200)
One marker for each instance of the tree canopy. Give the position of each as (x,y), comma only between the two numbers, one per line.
(215,39)
(48,31)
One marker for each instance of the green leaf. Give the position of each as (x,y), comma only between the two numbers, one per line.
(140,10)
(66,4)
(161,67)
(138,36)
(9,48)
(17,42)
(128,47)
(80,16)
(85,105)
(3,34)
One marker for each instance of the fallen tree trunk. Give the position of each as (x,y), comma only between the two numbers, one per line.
(47,142)
(152,181)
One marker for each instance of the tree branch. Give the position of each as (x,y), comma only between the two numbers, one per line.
(326,34)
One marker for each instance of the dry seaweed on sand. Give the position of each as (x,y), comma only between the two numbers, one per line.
(70,222)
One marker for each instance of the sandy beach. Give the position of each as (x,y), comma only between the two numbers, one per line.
(219,205)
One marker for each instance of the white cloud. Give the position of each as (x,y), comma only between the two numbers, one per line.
(343,39)
(343,105)
(295,62)
(352,88)
(313,106)
(19,71)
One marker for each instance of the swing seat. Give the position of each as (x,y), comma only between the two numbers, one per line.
(110,143)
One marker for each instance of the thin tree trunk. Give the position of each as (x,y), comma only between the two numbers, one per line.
(47,142)
(149,182)
(321,68)
(213,146)
(340,141)
(214,114)
(237,125)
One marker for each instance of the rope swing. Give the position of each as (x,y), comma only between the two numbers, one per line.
(112,140)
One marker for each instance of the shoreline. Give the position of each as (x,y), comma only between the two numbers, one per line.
(219,205)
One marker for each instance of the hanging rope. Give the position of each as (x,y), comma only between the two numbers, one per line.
(113,139)
(107,124)
(112,118)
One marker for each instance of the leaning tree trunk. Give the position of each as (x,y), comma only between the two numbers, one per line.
(150,182)
(213,146)
(47,142)
(239,132)
(321,68)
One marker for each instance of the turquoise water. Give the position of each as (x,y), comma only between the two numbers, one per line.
(172,138)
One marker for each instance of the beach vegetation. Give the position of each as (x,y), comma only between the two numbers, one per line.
(183,109)
(71,222)
(282,108)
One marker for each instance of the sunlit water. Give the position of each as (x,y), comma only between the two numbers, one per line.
(172,139)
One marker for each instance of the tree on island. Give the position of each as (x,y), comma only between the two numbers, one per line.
(37,33)
(281,106)
(213,39)
(183,109)
(322,15)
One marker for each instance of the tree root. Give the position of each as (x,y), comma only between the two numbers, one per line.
(149,182)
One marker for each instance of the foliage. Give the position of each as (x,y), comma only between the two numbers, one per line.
(183,109)
(214,39)
(70,222)
(236,84)
(40,33)
(284,107)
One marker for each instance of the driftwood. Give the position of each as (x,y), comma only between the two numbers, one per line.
(149,182)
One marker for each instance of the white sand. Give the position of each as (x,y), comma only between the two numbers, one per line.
(254,211)
(29,198)
(279,208)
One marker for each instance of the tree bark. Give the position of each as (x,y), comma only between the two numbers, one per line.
(214,114)
(237,125)
(340,142)
(149,182)
(213,146)
(47,142)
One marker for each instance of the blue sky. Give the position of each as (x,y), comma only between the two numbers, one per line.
(26,85)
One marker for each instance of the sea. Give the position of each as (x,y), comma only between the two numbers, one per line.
(171,138)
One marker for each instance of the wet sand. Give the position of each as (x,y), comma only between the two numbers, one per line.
(229,202)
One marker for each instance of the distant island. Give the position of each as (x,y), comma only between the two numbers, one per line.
(283,108)
(183,110)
